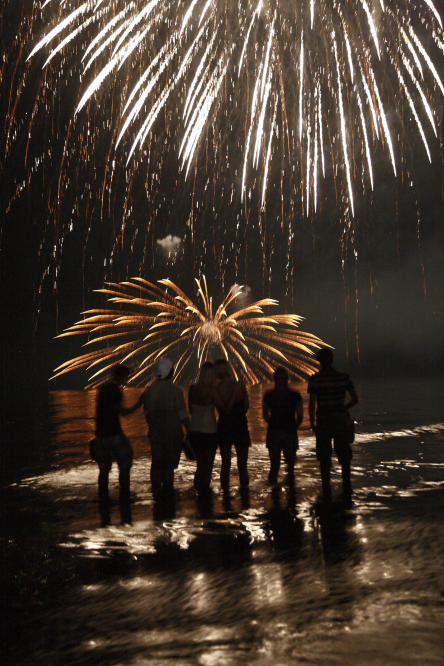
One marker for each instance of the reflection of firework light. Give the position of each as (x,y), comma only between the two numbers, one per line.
(173,325)
(251,57)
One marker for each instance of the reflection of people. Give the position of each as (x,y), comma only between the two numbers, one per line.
(329,417)
(279,407)
(203,428)
(232,426)
(166,415)
(111,444)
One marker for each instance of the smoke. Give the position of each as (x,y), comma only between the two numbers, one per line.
(169,243)
(244,297)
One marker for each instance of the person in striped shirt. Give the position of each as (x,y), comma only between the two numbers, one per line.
(329,419)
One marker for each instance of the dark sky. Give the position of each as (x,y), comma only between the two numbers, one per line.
(373,290)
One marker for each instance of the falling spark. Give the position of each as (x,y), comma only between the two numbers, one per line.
(196,63)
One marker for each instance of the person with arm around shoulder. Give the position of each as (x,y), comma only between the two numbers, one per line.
(329,419)
(202,399)
(282,409)
(232,426)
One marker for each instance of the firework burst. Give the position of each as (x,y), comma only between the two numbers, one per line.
(316,84)
(153,322)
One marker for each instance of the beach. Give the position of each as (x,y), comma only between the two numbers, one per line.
(267,579)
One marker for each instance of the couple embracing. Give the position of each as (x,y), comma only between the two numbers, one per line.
(216,388)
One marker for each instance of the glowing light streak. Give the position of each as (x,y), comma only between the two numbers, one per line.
(267,160)
(434,10)
(423,97)
(320,131)
(204,42)
(367,147)
(343,129)
(308,168)
(301,88)
(372,26)
(418,122)
(254,343)
(384,121)
(425,55)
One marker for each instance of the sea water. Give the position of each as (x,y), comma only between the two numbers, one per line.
(268,579)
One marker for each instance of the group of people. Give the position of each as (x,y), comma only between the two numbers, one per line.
(217,391)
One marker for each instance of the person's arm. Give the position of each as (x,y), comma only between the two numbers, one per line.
(354,399)
(190,398)
(125,411)
(265,410)
(186,424)
(312,411)
(218,401)
(246,398)
(221,406)
(299,411)
(182,411)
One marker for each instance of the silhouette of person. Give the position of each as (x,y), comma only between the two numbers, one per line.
(329,417)
(112,445)
(282,409)
(166,415)
(202,399)
(232,426)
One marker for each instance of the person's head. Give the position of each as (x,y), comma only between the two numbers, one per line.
(280,376)
(325,358)
(206,375)
(222,369)
(163,368)
(121,373)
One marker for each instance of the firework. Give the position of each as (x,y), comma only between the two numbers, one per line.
(316,83)
(153,322)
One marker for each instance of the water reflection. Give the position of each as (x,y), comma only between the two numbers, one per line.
(275,578)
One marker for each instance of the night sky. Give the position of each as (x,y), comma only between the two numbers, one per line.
(373,290)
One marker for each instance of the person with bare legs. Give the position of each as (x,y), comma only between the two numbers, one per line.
(111,444)
(166,415)
(329,420)
(232,426)
(282,409)
(202,399)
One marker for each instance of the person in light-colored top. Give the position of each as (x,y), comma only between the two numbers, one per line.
(167,416)
(202,399)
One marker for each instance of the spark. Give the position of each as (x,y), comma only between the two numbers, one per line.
(214,59)
(152,321)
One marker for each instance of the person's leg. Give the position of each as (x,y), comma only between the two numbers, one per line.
(103,494)
(346,481)
(207,466)
(325,477)
(242,458)
(200,466)
(323,454)
(344,454)
(290,458)
(225,454)
(124,456)
(124,495)
(204,467)
(156,479)
(274,453)
(168,480)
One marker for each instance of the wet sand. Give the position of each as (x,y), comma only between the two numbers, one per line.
(265,579)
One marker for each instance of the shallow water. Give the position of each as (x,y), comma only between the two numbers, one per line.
(267,579)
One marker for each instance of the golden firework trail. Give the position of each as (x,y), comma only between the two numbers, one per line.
(310,79)
(152,322)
